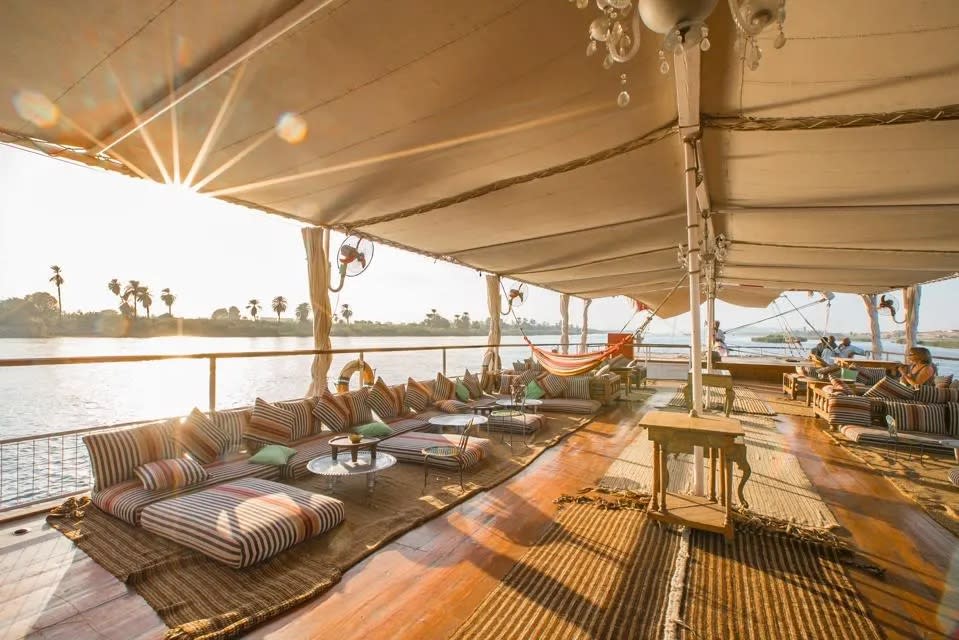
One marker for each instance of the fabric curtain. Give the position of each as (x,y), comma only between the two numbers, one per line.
(564,322)
(584,335)
(315,239)
(910,300)
(492,361)
(871,301)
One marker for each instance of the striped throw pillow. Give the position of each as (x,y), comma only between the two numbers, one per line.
(925,418)
(891,390)
(526,377)
(577,388)
(115,454)
(272,423)
(444,389)
(418,396)
(952,413)
(233,424)
(506,383)
(302,410)
(201,437)
(342,411)
(386,401)
(870,375)
(553,385)
(472,385)
(842,385)
(175,473)
(842,409)
(824,372)
(452,406)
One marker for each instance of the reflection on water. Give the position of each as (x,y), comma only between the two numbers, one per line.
(37,400)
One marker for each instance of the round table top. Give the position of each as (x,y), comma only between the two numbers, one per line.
(457,420)
(344,441)
(508,402)
(344,466)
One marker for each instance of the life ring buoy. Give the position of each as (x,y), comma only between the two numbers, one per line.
(351,367)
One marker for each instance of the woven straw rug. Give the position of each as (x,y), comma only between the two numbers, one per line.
(199,598)
(778,486)
(745,401)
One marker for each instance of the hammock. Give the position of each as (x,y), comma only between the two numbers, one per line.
(572,365)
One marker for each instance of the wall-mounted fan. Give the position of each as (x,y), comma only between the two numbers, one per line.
(514,297)
(888,306)
(352,259)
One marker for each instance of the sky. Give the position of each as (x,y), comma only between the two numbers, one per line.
(98,225)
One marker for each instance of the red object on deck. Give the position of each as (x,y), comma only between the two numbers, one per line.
(626,349)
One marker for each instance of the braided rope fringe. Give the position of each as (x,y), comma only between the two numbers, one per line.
(729,122)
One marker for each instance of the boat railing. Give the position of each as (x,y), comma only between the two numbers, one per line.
(47,466)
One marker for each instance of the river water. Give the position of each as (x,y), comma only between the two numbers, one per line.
(36,400)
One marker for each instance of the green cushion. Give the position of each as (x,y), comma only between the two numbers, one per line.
(374,430)
(274,454)
(534,391)
(848,374)
(462,393)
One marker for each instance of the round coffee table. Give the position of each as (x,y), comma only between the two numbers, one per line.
(526,404)
(344,442)
(457,420)
(364,465)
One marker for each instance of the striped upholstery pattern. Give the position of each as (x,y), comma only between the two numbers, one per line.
(954,476)
(842,409)
(526,377)
(870,375)
(509,421)
(577,387)
(890,389)
(342,411)
(952,415)
(472,385)
(943,381)
(115,454)
(934,395)
(570,405)
(604,388)
(444,389)
(553,385)
(506,382)
(453,406)
(200,436)
(842,385)
(925,418)
(418,395)
(409,446)
(128,499)
(302,411)
(824,372)
(272,423)
(233,424)
(241,523)
(386,401)
(174,473)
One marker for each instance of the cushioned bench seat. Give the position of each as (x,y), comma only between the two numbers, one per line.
(570,405)
(241,523)
(525,423)
(409,447)
(128,499)
(870,435)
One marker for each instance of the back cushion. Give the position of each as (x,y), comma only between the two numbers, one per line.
(910,416)
(506,382)
(115,454)
(443,389)
(472,384)
(577,387)
(553,385)
(870,375)
(843,386)
(843,409)
(386,401)
(936,395)
(233,424)
(200,436)
(952,414)
(272,423)
(890,389)
(418,395)
(302,410)
(344,410)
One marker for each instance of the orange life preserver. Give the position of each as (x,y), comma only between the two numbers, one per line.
(351,367)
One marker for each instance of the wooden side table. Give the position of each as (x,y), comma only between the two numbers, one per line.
(672,432)
(344,442)
(719,378)
(811,385)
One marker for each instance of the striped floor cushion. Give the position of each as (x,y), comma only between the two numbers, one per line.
(954,476)
(952,415)
(241,523)
(306,450)
(849,410)
(912,416)
(409,447)
(525,423)
(127,500)
(570,405)
(409,423)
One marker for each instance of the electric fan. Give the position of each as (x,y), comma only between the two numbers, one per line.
(354,256)
(888,305)
(515,297)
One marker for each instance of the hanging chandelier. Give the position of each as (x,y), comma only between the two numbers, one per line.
(682,23)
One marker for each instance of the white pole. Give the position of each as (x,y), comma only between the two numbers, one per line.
(710,316)
(564,322)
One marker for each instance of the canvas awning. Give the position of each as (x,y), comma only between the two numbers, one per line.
(482,134)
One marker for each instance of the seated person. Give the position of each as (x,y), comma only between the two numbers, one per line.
(822,352)
(847,349)
(918,370)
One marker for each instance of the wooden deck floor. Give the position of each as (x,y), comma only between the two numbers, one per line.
(424,584)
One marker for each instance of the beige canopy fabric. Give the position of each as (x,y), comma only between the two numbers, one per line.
(316,242)
(480,133)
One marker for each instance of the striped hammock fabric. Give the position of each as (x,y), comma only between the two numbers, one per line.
(567,365)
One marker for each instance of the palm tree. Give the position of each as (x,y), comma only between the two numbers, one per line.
(132,290)
(347,313)
(114,287)
(279,306)
(145,299)
(254,306)
(168,299)
(303,311)
(57,279)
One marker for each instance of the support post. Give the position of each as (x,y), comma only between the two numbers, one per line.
(686,65)
(564,322)
(493,302)
(872,309)
(316,241)
(444,361)
(584,335)
(212,385)
(910,300)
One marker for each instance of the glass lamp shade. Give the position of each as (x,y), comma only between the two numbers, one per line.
(662,16)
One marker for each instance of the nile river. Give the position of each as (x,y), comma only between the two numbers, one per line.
(48,399)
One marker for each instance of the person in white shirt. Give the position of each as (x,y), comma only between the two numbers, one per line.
(847,349)
(719,340)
